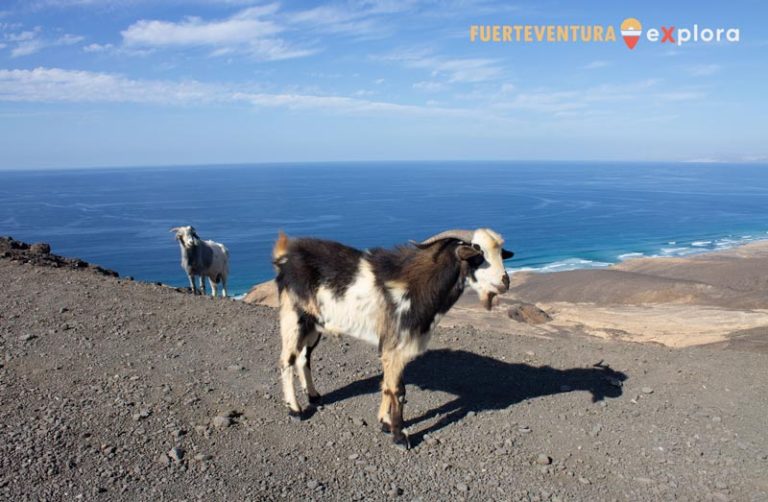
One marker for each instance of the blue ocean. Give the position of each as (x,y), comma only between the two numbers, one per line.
(554,215)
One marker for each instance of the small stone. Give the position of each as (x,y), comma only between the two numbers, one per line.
(221,421)
(716,419)
(353,456)
(524,429)
(312,484)
(27,337)
(176,454)
(359,422)
(63,310)
(462,487)
(177,433)
(141,415)
(471,414)
(584,481)
(164,460)
(647,390)
(235,367)
(543,459)
(202,457)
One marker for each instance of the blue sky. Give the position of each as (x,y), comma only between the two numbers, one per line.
(144,82)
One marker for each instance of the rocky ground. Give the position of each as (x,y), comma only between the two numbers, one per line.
(116,390)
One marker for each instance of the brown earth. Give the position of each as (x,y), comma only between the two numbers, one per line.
(102,378)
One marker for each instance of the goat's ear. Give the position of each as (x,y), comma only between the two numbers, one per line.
(465,252)
(506,254)
(174,230)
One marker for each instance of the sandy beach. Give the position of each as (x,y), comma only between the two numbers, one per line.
(711,298)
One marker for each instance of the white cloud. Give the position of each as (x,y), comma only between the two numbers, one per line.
(682,95)
(69,39)
(703,70)
(111,4)
(248,31)
(452,69)
(596,100)
(429,86)
(362,19)
(59,85)
(347,105)
(243,27)
(24,36)
(594,65)
(28,42)
(48,85)
(98,48)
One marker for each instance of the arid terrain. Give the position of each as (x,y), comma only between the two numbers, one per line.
(116,390)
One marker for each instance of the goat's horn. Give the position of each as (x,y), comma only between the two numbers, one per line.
(462,235)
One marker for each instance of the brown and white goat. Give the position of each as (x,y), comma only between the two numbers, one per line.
(390,298)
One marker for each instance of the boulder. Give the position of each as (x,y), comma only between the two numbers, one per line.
(263,294)
(528,313)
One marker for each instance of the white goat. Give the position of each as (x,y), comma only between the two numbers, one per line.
(203,258)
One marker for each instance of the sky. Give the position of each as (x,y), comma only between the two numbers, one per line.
(87,83)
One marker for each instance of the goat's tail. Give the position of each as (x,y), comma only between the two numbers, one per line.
(280,249)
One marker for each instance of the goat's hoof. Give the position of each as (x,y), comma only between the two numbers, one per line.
(296,416)
(400,440)
(316,400)
(385,428)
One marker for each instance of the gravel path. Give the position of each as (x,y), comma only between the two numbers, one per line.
(115,390)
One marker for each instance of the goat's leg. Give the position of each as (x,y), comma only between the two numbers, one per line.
(224,286)
(289,334)
(192,284)
(202,285)
(214,288)
(393,396)
(310,339)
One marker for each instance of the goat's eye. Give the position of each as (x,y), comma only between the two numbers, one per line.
(476,261)
(477,247)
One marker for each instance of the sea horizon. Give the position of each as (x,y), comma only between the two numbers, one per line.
(555,215)
(357,163)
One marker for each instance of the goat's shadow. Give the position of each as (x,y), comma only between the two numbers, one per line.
(482,383)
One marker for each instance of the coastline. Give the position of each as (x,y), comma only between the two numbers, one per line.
(718,297)
(671,249)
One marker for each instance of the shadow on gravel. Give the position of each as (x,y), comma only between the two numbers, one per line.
(482,383)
